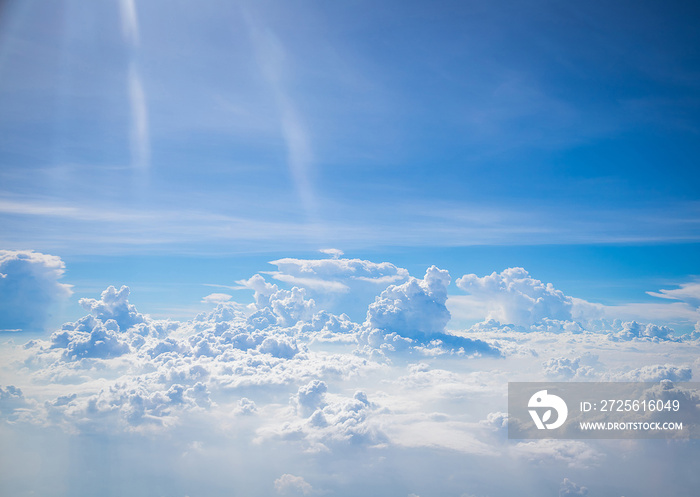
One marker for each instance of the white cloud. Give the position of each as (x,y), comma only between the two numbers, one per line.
(632,330)
(415,309)
(334,253)
(571,489)
(688,293)
(337,274)
(654,373)
(572,453)
(114,305)
(275,306)
(292,485)
(282,377)
(246,407)
(514,297)
(311,397)
(29,288)
(12,402)
(339,284)
(216,298)
(566,368)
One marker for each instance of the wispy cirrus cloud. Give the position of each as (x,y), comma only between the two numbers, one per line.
(99,225)
(274,63)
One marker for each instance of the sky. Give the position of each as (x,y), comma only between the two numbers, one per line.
(246,234)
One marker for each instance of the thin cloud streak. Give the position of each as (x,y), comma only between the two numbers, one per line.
(130,25)
(271,58)
(139,132)
(27,222)
(140,143)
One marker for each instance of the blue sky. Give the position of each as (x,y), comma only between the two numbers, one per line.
(233,129)
(208,155)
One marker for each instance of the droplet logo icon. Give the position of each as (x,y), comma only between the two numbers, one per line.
(547,404)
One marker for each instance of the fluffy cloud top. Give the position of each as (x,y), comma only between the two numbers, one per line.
(514,297)
(415,309)
(278,376)
(288,306)
(571,489)
(654,373)
(114,305)
(292,485)
(29,287)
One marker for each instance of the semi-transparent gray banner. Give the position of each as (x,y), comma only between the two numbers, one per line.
(603,410)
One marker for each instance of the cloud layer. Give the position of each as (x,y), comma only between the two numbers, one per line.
(314,393)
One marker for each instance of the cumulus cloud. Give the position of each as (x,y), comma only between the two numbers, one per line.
(415,309)
(114,304)
(292,485)
(654,373)
(514,297)
(279,306)
(573,453)
(566,368)
(246,407)
(310,397)
(334,253)
(29,288)
(102,341)
(12,401)
(631,330)
(414,314)
(286,376)
(339,284)
(571,489)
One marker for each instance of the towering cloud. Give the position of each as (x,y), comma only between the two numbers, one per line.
(415,309)
(29,288)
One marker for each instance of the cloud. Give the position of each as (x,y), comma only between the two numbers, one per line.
(565,368)
(103,341)
(311,397)
(216,298)
(414,315)
(654,373)
(573,453)
(130,27)
(571,489)
(514,297)
(276,306)
(688,293)
(415,309)
(336,274)
(114,304)
(334,253)
(246,407)
(12,402)
(292,485)
(632,330)
(283,377)
(29,288)
(339,284)
(324,422)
